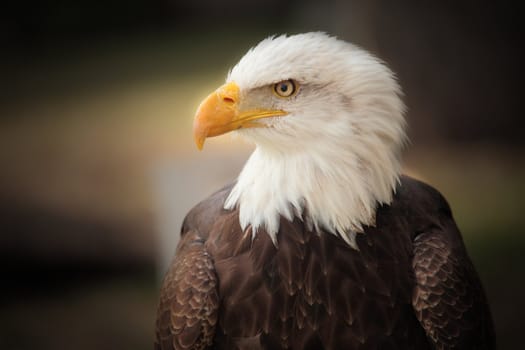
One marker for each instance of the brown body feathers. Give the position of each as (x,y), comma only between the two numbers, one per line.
(410,285)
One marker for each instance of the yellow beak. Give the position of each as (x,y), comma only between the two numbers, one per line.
(219,114)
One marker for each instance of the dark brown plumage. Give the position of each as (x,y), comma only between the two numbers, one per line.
(410,285)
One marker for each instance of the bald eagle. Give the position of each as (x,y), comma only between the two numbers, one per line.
(320,243)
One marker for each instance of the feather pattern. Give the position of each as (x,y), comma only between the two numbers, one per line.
(448,298)
(410,285)
(188,308)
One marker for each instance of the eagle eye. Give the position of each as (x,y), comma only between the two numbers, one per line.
(285,88)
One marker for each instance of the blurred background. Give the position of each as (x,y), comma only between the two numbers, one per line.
(98,165)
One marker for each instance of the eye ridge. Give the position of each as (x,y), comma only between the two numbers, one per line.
(285,88)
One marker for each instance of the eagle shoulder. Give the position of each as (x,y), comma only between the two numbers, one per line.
(448,298)
(203,216)
(423,201)
(189,301)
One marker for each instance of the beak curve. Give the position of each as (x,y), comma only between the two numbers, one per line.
(219,113)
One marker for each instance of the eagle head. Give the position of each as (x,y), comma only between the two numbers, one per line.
(328,124)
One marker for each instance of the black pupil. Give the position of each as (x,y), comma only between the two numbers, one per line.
(284,87)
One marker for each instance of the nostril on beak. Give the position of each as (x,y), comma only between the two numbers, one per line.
(228,99)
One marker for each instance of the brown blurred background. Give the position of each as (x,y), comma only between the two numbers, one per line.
(98,166)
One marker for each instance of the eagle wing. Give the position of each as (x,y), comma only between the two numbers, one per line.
(448,297)
(189,300)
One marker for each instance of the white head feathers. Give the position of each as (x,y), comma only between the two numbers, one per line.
(336,155)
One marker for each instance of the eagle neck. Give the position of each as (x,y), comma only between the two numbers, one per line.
(330,189)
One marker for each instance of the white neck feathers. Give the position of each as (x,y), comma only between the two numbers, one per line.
(337,190)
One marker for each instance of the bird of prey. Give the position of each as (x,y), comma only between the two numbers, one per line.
(321,242)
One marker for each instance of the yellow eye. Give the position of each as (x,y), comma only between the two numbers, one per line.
(285,88)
